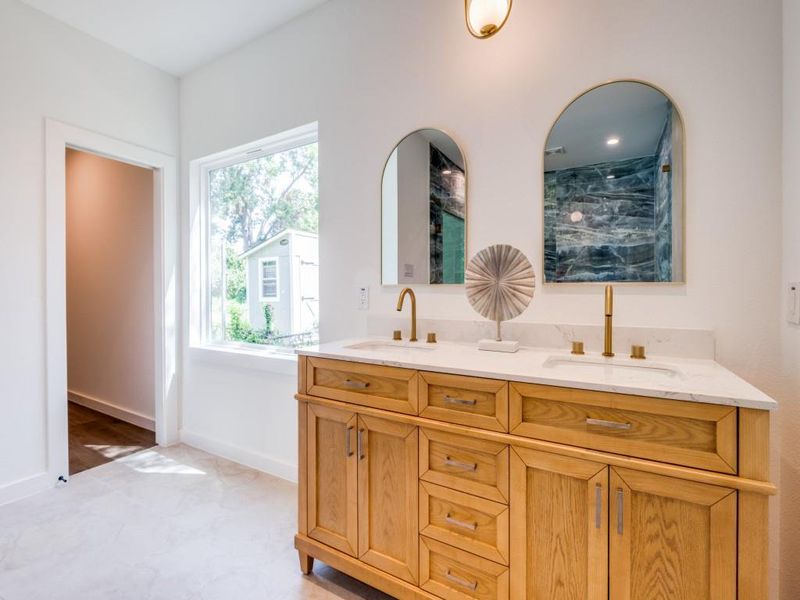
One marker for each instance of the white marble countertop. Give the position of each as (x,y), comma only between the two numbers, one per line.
(693,380)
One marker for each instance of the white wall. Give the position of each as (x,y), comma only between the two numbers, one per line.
(789,416)
(110,312)
(406,65)
(51,70)
(413,209)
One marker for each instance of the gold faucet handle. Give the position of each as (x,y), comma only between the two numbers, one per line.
(638,352)
(431,338)
(577,348)
(397,335)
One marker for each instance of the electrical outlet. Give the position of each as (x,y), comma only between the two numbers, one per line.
(793,307)
(363,298)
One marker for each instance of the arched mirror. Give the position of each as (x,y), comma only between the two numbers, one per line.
(614,188)
(424,211)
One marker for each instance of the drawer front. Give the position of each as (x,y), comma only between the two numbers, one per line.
(453,574)
(672,431)
(471,465)
(470,401)
(467,522)
(389,388)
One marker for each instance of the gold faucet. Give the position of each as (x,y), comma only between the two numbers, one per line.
(403,294)
(608,346)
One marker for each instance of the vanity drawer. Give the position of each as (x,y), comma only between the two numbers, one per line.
(378,386)
(469,401)
(464,521)
(471,465)
(453,574)
(672,431)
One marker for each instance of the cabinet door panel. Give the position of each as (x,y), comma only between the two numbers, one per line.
(559,527)
(332,478)
(671,539)
(388,524)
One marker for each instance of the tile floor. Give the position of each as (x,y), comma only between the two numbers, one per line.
(162,524)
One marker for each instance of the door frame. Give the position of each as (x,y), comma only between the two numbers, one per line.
(58,138)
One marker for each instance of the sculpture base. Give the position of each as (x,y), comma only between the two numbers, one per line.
(495,346)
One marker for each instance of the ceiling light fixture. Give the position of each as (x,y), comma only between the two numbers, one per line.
(611,176)
(486,17)
(447,172)
(612,141)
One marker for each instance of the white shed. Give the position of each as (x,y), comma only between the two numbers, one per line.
(283,272)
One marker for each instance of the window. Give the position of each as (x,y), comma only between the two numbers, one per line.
(261,209)
(269,280)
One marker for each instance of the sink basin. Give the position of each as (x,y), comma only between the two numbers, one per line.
(614,366)
(384,346)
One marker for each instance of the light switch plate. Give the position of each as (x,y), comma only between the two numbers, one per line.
(793,308)
(363,297)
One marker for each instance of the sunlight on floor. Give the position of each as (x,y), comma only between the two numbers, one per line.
(153,462)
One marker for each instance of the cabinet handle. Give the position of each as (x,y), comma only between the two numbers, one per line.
(359,385)
(462,524)
(460,401)
(620,510)
(361,454)
(460,465)
(347,442)
(608,424)
(470,585)
(598,506)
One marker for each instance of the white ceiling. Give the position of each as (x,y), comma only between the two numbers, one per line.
(175,35)
(633,112)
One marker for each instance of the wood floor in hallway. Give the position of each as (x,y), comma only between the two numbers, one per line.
(96,439)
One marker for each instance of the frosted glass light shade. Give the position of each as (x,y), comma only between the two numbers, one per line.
(486,17)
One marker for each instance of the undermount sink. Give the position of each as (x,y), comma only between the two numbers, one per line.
(383,346)
(607,366)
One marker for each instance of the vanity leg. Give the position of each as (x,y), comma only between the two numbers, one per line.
(306,562)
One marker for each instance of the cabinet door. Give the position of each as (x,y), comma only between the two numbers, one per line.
(388,525)
(559,527)
(671,539)
(332,478)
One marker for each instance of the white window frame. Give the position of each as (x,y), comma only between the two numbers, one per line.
(200,341)
(261,262)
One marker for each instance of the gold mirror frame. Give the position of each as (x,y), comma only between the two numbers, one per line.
(683,280)
(466,209)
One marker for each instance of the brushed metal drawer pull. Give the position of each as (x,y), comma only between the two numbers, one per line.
(347,442)
(608,424)
(620,510)
(359,385)
(598,506)
(462,524)
(460,465)
(470,585)
(361,454)
(460,401)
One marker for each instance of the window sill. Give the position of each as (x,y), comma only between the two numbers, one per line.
(245,357)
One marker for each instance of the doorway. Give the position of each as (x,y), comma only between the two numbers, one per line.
(160,351)
(110,311)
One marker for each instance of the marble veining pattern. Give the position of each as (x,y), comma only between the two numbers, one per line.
(447,195)
(663,204)
(163,524)
(599,222)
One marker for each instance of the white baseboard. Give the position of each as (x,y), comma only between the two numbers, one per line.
(255,460)
(113,410)
(22,488)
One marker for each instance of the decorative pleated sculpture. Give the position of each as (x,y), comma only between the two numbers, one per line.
(499,282)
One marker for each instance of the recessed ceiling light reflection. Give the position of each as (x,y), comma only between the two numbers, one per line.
(576,216)
(612,141)
(611,176)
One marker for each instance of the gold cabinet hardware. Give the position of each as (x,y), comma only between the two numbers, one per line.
(357,385)
(470,585)
(462,524)
(608,424)
(460,465)
(460,401)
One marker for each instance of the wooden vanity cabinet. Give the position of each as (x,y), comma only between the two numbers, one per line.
(511,491)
